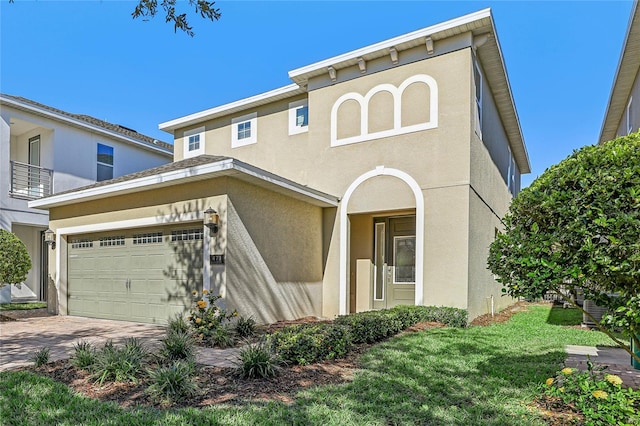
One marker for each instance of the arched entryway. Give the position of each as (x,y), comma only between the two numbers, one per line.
(396,216)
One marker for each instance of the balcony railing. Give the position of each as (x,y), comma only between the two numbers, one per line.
(29,181)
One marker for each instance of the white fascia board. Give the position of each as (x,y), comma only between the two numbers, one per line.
(170,126)
(79,123)
(462,20)
(285,183)
(131,185)
(173,177)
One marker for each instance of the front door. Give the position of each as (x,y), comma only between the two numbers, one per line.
(394,260)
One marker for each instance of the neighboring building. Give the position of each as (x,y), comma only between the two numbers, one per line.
(623,111)
(44,151)
(377,178)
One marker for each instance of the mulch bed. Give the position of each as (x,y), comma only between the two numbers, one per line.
(7,316)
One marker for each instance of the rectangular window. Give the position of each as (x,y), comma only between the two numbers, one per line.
(187,235)
(112,241)
(81,243)
(244,130)
(105,162)
(477,77)
(148,238)
(298,117)
(629,116)
(404,260)
(193,142)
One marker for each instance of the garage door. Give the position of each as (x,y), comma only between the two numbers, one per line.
(139,275)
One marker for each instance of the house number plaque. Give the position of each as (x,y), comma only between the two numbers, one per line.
(216,259)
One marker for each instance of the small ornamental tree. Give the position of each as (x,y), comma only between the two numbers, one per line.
(577,227)
(14,259)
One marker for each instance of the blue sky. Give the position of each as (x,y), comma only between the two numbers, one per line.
(91,57)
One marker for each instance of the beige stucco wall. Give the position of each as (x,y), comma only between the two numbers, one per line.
(274,255)
(272,243)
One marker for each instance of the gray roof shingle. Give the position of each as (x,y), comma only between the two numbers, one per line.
(125,131)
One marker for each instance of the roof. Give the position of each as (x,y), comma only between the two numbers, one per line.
(88,122)
(184,171)
(627,72)
(490,54)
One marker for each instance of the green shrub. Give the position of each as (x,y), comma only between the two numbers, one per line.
(177,346)
(600,397)
(220,337)
(207,319)
(178,324)
(258,361)
(374,326)
(84,355)
(41,357)
(172,383)
(119,364)
(15,262)
(245,327)
(308,343)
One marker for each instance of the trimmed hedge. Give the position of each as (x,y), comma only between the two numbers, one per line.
(308,343)
(374,326)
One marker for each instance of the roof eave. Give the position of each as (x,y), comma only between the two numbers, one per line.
(175,177)
(236,106)
(627,70)
(79,123)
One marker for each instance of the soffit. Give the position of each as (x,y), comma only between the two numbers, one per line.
(626,74)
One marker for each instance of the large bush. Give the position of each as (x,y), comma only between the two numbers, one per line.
(14,259)
(577,227)
(308,343)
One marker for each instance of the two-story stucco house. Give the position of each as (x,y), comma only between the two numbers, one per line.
(44,151)
(378,177)
(623,111)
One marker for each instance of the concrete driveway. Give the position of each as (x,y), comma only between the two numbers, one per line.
(19,340)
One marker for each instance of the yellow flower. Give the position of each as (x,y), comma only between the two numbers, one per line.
(194,292)
(561,389)
(201,336)
(198,320)
(210,324)
(201,304)
(205,291)
(189,318)
(600,394)
(566,371)
(613,379)
(549,381)
(235,314)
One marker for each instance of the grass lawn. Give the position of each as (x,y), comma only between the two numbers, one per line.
(442,376)
(22,306)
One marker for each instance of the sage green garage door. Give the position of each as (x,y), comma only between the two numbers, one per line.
(136,275)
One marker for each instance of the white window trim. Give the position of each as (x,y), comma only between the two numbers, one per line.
(253,119)
(478,102)
(185,142)
(398,129)
(628,114)
(294,129)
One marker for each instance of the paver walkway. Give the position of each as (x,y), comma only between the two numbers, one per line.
(617,361)
(20,339)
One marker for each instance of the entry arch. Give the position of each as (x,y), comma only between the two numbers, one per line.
(344,234)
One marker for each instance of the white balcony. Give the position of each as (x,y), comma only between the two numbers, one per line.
(30,182)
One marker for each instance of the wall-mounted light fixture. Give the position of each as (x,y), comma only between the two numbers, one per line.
(50,238)
(211,220)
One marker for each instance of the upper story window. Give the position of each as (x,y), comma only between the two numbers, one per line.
(298,117)
(105,162)
(629,116)
(193,142)
(477,78)
(244,130)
